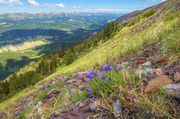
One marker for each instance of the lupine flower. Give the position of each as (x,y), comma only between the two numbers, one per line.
(93,98)
(43,88)
(95,74)
(90,75)
(106,68)
(88,90)
(103,78)
(48,86)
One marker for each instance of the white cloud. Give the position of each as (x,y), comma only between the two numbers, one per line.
(112,10)
(59,5)
(11,2)
(106,10)
(33,3)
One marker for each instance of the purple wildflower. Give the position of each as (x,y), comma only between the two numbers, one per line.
(88,90)
(103,78)
(48,86)
(43,88)
(90,75)
(93,98)
(106,68)
(95,74)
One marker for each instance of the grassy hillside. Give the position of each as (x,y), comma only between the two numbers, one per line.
(125,41)
(156,25)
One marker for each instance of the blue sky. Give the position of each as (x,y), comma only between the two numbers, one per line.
(34,6)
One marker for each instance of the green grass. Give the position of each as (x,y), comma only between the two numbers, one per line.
(78,95)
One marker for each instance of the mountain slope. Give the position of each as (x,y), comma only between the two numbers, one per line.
(147,36)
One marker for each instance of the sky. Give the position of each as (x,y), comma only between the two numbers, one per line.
(36,6)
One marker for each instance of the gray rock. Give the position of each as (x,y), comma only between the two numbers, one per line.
(174,90)
(94,106)
(117,108)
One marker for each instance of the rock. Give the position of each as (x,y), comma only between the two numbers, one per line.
(174,90)
(94,106)
(159,59)
(140,61)
(177,77)
(157,83)
(80,75)
(81,86)
(117,108)
(158,71)
(3,115)
(81,105)
(53,92)
(146,65)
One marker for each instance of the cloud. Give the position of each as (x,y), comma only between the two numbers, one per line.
(112,10)
(33,3)
(11,2)
(59,5)
(106,10)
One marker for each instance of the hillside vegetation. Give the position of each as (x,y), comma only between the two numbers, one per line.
(130,69)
